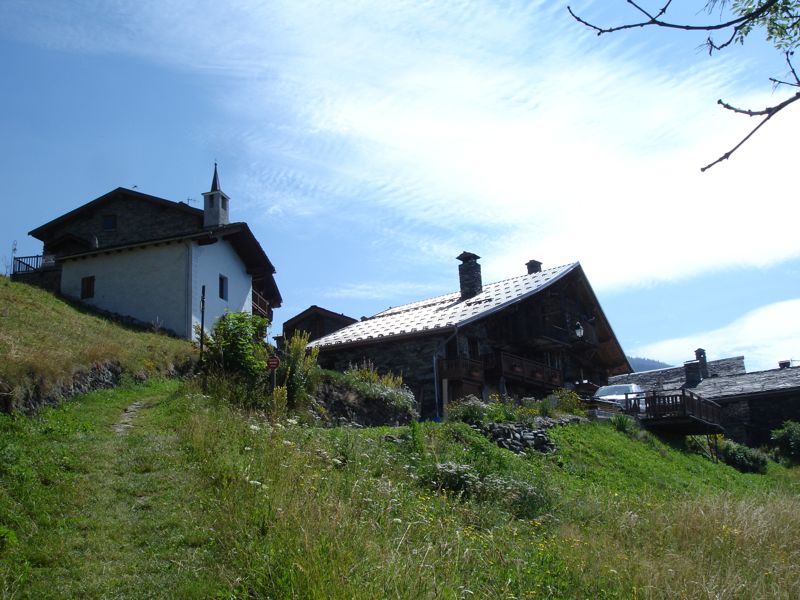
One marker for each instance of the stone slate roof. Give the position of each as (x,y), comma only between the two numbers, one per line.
(444,312)
(41,231)
(749,384)
(674,377)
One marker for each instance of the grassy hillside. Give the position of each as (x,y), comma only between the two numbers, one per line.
(44,340)
(201,500)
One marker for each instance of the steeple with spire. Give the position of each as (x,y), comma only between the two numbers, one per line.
(215,204)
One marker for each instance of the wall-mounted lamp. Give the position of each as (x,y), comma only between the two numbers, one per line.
(578,329)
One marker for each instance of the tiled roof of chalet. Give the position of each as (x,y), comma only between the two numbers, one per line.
(446,311)
(757,382)
(674,377)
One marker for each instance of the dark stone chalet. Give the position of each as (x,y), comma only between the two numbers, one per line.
(751,404)
(523,336)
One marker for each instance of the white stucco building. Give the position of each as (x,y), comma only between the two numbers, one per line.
(151,260)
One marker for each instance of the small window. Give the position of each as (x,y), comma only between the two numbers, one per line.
(109,222)
(223,287)
(87,287)
(224,201)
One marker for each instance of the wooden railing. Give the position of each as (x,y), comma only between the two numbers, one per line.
(29,264)
(260,304)
(516,367)
(672,403)
(461,368)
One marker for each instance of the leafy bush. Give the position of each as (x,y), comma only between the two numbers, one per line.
(299,371)
(787,441)
(565,401)
(501,410)
(742,458)
(468,409)
(454,477)
(236,344)
(367,373)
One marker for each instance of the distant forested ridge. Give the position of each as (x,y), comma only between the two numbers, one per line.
(646,364)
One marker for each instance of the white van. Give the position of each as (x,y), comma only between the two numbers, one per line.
(618,394)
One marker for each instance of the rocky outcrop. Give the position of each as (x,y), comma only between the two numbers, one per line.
(519,438)
(32,395)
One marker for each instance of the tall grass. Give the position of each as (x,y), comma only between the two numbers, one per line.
(241,505)
(349,513)
(44,340)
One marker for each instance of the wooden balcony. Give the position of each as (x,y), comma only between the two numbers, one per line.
(461,369)
(260,305)
(31,264)
(528,371)
(676,411)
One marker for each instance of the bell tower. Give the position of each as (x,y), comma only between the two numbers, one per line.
(215,204)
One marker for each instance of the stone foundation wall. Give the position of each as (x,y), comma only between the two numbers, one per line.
(48,279)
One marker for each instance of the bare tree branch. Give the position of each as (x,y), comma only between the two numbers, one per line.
(656,20)
(767,113)
(739,28)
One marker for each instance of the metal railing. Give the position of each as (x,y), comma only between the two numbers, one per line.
(29,264)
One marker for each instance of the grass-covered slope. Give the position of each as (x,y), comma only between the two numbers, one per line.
(44,340)
(232,505)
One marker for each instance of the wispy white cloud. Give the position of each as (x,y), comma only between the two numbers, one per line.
(382,290)
(763,336)
(507,130)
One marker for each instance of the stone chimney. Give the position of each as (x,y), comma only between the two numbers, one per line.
(469,275)
(700,355)
(692,373)
(534,266)
(784,364)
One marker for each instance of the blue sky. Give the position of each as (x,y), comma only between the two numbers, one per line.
(369,143)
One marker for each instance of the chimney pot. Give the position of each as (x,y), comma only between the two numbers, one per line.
(534,266)
(700,355)
(469,275)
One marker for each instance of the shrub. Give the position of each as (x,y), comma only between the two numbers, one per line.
(468,409)
(566,401)
(787,441)
(501,410)
(742,458)
(367,373)
(236,344)
(520,498)
(454,477)
(299,372)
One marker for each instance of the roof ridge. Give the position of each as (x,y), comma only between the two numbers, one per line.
(419,303)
